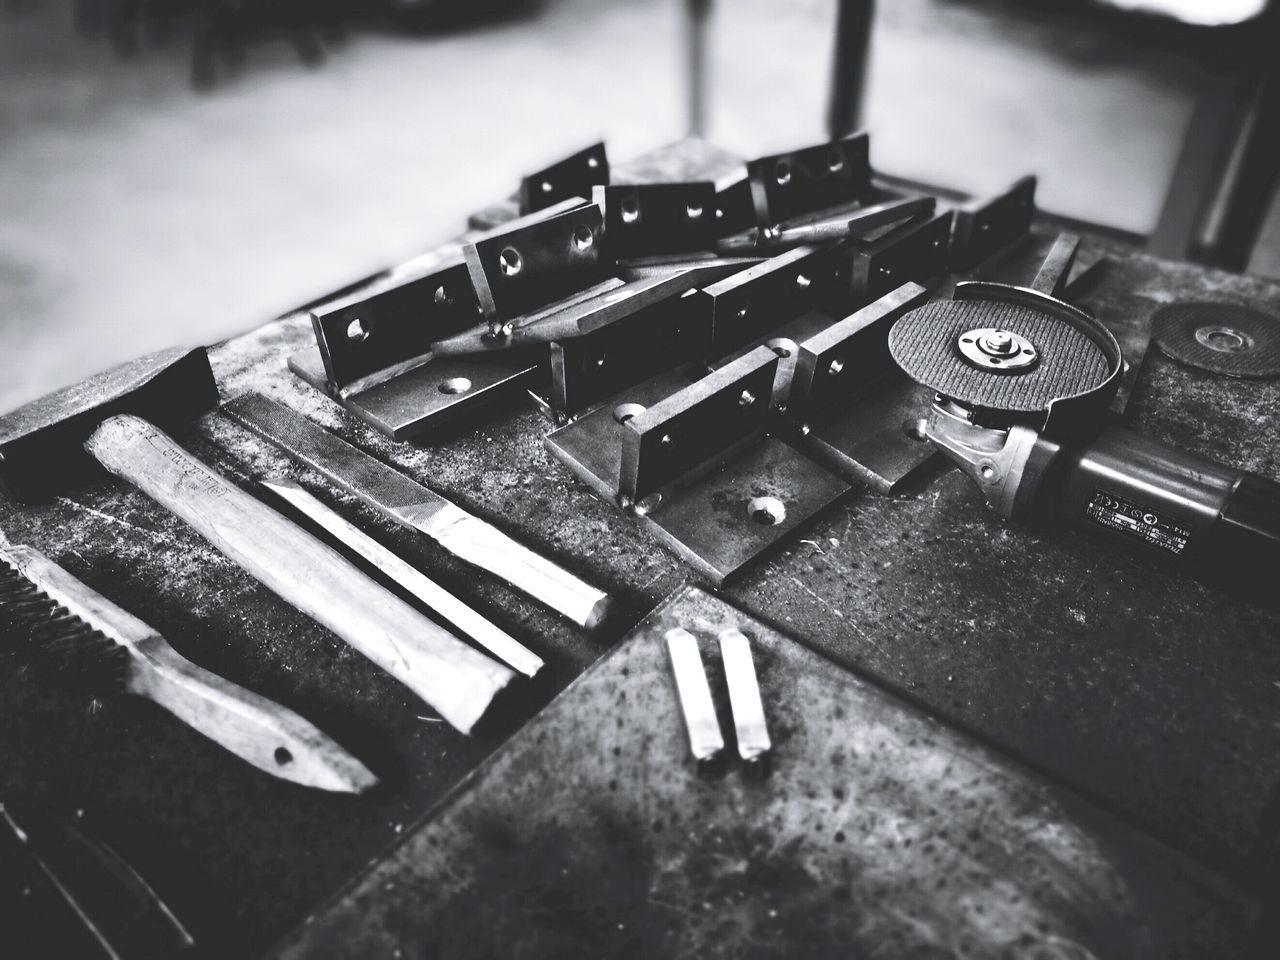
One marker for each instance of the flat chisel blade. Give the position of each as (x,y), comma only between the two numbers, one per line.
(408,502)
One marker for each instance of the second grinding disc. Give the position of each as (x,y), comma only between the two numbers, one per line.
(1220,337)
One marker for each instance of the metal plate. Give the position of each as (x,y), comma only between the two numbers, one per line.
(722,520)
(669,443)
(844,362)
(879,832)
(657,337)
(571,177)
(432,397)
(924,344)
(587,316)
(397,321)
(985,227)
(871,442)
(1222,338)
(850,402)
(913,252)
(784,341)
(749,304)
(787,185)
(440,394)
(535,260)
(591,446)
(658,218)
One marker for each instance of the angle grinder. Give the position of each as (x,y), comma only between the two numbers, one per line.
(1023,381)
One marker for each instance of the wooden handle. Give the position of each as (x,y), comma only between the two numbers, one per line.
(455,679)
(489,548)
(252,727)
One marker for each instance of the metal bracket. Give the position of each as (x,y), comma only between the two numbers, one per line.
(915,251)
(788,185)
(735,209)
(849,402)
(396,321)
(534,260)
(571,177)
(433,395)
(645,219)
(695,462)
(985,227)
(749,304)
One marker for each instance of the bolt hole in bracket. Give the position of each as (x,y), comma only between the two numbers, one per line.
(697,464)
(788,185)
(655,219)
(849,401)
(373,356)
(571,178)
(535,260)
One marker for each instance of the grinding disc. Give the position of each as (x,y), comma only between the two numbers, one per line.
(1219,337)
(925,344)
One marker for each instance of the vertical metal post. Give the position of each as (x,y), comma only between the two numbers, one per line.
(697,15)
(849,66)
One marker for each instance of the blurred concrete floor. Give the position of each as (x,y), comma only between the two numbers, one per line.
(136,213)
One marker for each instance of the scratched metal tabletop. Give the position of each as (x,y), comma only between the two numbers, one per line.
(1154,696)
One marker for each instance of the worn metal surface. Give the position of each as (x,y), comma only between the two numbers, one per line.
(1153,693)
(879,832)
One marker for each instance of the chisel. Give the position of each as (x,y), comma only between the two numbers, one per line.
(410,503)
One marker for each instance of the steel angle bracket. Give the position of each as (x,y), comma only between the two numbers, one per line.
(433,395)
(646,219)
(535,260)
(984,227)
(696,464)
(916,251)
(850,406)
(588,369)
(750,303)
(572,177)
(785,342)
(374,330)
(734,207)
(788,185)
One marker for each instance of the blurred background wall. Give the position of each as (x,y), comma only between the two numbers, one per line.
(137,212)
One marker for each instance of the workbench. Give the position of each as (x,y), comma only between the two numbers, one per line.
(1152,696)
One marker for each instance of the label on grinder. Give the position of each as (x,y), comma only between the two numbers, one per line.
(1155,529)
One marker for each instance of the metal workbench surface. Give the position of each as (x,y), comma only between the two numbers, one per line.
(1154,695)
